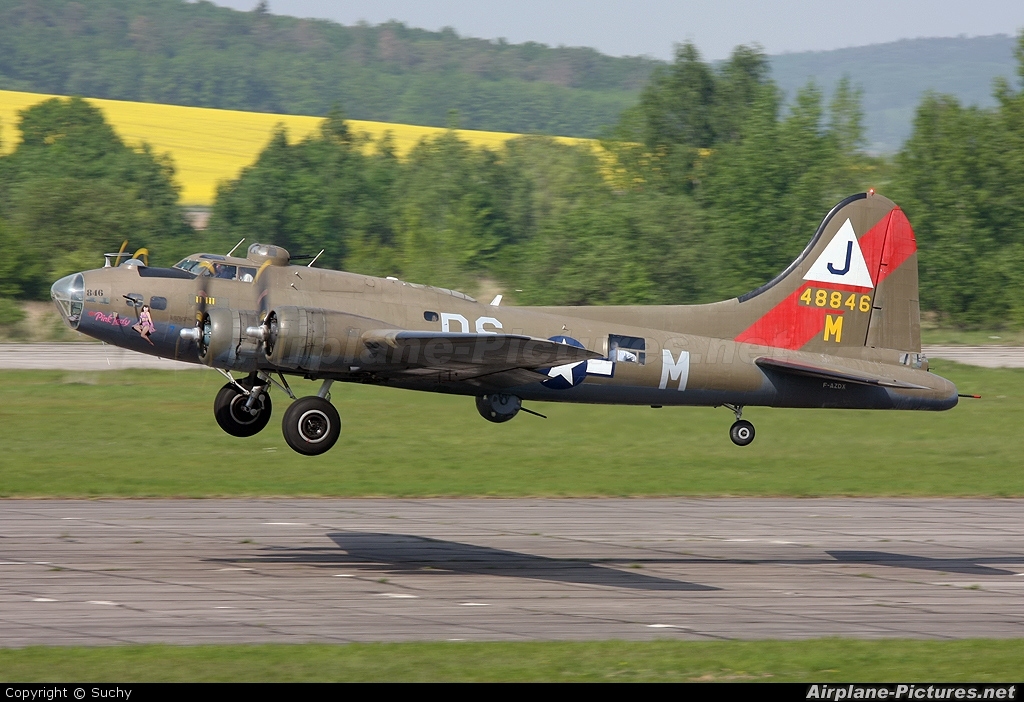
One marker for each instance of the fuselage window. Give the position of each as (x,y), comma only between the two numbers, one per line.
(222,270)
(246,275)
(431,316)
(133,300)
(626,349)
(158,303)
(187,265)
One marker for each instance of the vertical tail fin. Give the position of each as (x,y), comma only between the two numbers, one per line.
(855,285)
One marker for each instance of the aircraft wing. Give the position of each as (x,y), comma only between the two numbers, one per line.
(836,374)
(472,355)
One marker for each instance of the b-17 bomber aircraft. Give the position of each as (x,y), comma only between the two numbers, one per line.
(840,327)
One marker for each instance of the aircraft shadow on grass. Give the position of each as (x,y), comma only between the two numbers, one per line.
(398,553)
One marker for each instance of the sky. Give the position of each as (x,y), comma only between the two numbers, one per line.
(653,27)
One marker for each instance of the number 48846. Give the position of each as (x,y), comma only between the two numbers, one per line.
(835,299)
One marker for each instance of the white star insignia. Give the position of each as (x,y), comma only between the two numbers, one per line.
(563,371)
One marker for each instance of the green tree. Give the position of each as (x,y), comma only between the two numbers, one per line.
(323,192)
(453,211)
(578,240)
(72,190)
(687,110)
(679,103)
(765,193)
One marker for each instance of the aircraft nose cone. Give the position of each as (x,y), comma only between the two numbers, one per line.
(68,295)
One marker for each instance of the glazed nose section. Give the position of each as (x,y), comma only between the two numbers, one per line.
(68,294)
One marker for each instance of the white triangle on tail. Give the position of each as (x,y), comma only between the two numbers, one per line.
(842,261)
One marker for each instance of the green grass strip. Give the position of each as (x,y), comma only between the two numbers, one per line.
(821,660)
(152,434)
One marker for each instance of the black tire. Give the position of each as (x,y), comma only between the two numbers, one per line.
(498,408)
(311,426)
(741,432)
(230,413)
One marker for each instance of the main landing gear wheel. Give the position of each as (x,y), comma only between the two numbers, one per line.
(741,432)
(498,408)
(235,417)
(311,425)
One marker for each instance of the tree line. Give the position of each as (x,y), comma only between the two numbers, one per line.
(705,189)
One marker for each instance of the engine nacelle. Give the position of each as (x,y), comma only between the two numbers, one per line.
(222,340)
(316,339)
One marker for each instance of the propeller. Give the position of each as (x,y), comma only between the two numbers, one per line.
(265,333)
(262,332)
(200,333)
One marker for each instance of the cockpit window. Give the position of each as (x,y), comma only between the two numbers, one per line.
(213,269)
(187,265)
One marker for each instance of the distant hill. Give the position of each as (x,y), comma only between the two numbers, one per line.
(894,76)
(198,54)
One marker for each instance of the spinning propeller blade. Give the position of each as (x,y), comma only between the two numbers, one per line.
(204,272)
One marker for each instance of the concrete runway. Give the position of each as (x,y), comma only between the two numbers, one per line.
(81,356)
(94,356)
(985,356)
(208,571)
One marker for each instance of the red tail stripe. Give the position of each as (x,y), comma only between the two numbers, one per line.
(900,244)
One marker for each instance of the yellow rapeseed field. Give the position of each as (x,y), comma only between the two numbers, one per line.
(209,146)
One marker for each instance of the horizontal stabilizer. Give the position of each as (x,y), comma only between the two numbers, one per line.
(837,374)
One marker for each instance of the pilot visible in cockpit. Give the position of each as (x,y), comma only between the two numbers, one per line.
(221,270)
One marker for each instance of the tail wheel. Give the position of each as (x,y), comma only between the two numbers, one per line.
(741,432)
(231,413)
(311,426)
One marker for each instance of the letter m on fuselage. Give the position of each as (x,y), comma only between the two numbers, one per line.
(671,369)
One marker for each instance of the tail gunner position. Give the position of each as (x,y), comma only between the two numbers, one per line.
(839,328)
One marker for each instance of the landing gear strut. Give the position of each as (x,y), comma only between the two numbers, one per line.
(742,431)
(239,414)
(312,425)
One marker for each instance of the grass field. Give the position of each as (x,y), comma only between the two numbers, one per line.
(822,660)
(145,433)
(209,146)
(152,433)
